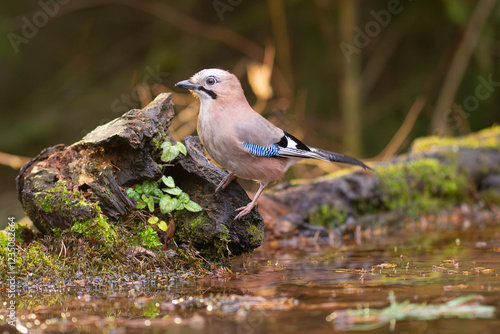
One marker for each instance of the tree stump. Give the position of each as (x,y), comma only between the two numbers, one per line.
(88,179)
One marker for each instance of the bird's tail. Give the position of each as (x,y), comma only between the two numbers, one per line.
(316,153)
(337,157)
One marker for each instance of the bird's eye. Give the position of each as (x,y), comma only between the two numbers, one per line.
(211,81)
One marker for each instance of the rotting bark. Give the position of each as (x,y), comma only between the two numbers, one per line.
(98,169)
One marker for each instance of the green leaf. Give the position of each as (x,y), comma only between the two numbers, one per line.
(166,145)
(170,154)
(168,181)
(167,204)
(173,191)
(181,147)
(133,194)
(153,220)
(163,226)
(139,189)
(157,192)
(180,205)
(184,198)
(193,206)
(150,202)
(140,205)
(149,186)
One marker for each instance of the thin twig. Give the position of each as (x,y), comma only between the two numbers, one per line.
(63,247)
(459,63)
(14,161)
(403,132)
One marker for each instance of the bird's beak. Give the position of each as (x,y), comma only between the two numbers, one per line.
(186,84)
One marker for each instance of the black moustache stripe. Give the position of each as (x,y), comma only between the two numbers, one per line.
(209,92)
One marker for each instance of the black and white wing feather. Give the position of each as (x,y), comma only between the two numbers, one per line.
(291,147)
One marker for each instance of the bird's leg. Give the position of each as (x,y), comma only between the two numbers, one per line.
(247,208)
(225,181)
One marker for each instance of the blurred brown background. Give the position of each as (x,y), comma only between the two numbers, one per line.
(360,77)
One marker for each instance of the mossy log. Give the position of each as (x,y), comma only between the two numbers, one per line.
(85,181)
(436,174)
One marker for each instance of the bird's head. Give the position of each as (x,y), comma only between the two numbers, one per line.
(212,84)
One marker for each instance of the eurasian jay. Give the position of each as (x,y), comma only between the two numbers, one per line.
(240,139)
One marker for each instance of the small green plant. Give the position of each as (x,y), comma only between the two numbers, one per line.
(162,195)
(149,238)
(170,152)
(170,198)
(161,224)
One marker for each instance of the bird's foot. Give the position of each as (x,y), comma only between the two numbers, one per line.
(225,181)
(245,210)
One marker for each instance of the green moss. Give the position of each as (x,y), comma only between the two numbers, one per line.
(10,234)
(214,244)
(185,225)
(56,232)
(224,232)
(54,199)
(328,215)
(156,143)
(38,259)
(149,238)
(5,238)
(493,130)
(255,235)
(422,184)
(97,228)
(90,222)
(59,199)
(487,138)
(194,229)
(46,203)
(199,230)
(221,242)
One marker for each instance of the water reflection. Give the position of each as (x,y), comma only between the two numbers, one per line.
(291,287)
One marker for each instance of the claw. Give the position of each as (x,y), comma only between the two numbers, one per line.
(245,210)
(225,181)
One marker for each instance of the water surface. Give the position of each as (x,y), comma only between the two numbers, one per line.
(301,285)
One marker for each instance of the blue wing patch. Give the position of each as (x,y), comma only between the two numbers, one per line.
(290,147)
(269,151)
